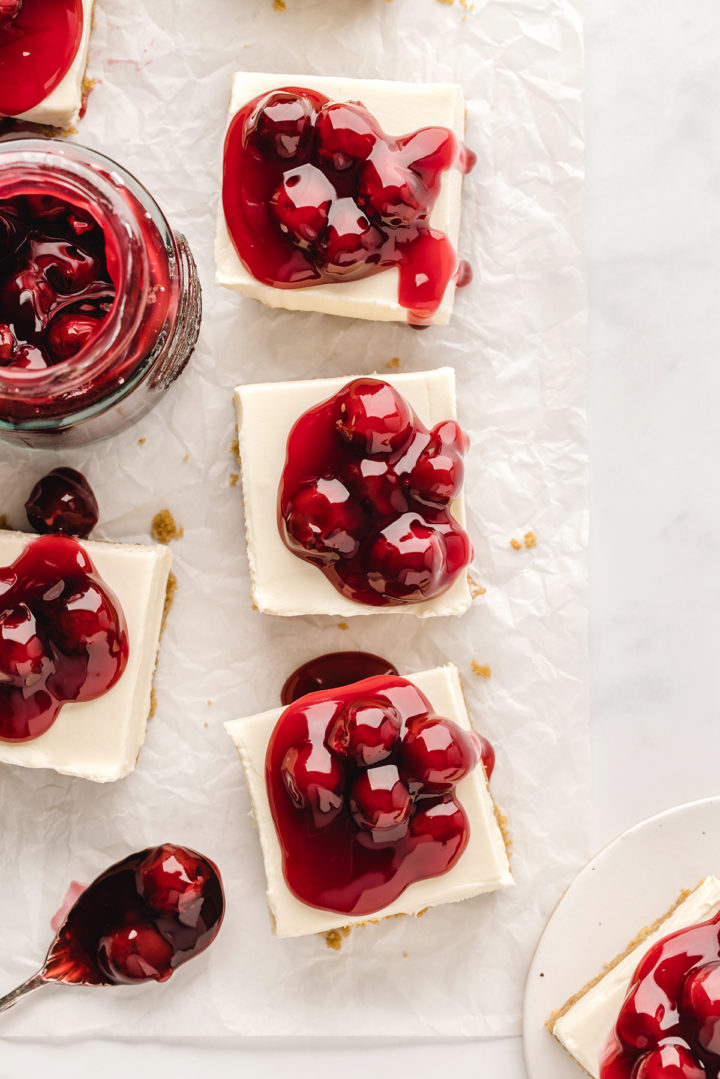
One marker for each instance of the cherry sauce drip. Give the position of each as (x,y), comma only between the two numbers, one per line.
(315,192)
(55,285)
(332,671)
(361,784)
(63,636)
(39,40)
(365,492)
(62,501)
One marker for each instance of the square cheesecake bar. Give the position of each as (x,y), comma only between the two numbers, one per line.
(282,583)
(482,867)
(100,739)
(399,107)
(583,1024)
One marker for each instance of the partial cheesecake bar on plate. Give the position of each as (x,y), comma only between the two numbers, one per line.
(62,105)
(281,582)
(400,109)
(482,866)
(584,1024)
(100,739)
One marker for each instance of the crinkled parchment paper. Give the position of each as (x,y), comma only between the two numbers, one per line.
(516,341)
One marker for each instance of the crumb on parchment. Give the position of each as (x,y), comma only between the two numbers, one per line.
(481,669)
(334,937)
(393,364)
(530,539)
(233,479)
(169,597)
(475,588)
(153,704)
(142,441)
(343,625)
(164,528)
(279,5)
(516,544)
(235,449)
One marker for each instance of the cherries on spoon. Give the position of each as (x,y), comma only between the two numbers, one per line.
(137,922)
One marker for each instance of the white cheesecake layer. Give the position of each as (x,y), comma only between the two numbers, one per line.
(282,583)
(400,108)
(100,740)
(61,108)
(585,1027)
(482,867)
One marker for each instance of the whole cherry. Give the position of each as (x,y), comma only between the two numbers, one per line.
(670,1061)
(407,560)
(23,651)
(345,134)
(283,124)
(436,754)
(314,780)
(172,880)
(701,998)
(135,953)
(373,416)
(62,501)
(391,192)
(367,732)
(322,520)
(438,821)
(636,1028)
(438,473)
(374,481)
(302,203)
(379,800)
(69,332)
(350,239)
(8,10)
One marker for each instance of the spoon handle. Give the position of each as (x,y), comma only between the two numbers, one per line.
(29,986)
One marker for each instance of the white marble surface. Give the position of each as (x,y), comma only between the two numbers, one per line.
(653,101)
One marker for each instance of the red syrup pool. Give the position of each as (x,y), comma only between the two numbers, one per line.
(56,288)
(365,493)
(63,636)
(314,192)
(669,1024)
(361,785)
(39,40)
(140,920)
(62,501)
(331,671)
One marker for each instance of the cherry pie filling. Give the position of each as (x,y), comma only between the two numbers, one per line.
(361,785)
(56,286)
(314,192)
(140,920)
(39,40)
(365,493)
(669,1024)
(63,636)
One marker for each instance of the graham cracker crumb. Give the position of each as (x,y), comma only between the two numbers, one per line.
(233,479)
(421,912)
(153,704)
(279,5)
(142,441)
(475,588)
(530,540)
(235,449)
(393,364)
(254,606)
(333,939)
(404,955)
(504,826)
(3,520)
(481,669)
(169,597)
(516,544)
(343,625)
(206,724)
(164,529)
(186,458)
(209,703)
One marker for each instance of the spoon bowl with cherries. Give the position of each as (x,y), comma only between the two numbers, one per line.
(137,922)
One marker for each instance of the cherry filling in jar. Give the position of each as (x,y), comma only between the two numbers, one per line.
(140,920)
(39,40)
(315,192)
(99,300)
(63,636)
(361,785)
(365,496)
(669,1024)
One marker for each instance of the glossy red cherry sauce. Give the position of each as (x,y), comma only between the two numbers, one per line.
(669,1024)
(140,920)
(315,192)
(62,501)
(56,288)
(365,494)
(39,40)
(63,636)
(331,671)
(361,786)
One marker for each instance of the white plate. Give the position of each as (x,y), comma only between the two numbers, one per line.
(626,886)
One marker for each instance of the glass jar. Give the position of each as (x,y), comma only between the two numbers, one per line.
(148,334)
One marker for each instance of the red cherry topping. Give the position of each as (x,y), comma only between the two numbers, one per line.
(344,750)
(8,10)
(172,880)
(38,43)
(315,192)
(367,732)
(701,998)
(379,800)
(62,501)
(314,781)
(331,671)
(136,953)
(436,753)
(669,1062)
(63,636)
(55,285)
(376,537)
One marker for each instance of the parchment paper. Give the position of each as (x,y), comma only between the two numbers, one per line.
(516,341)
